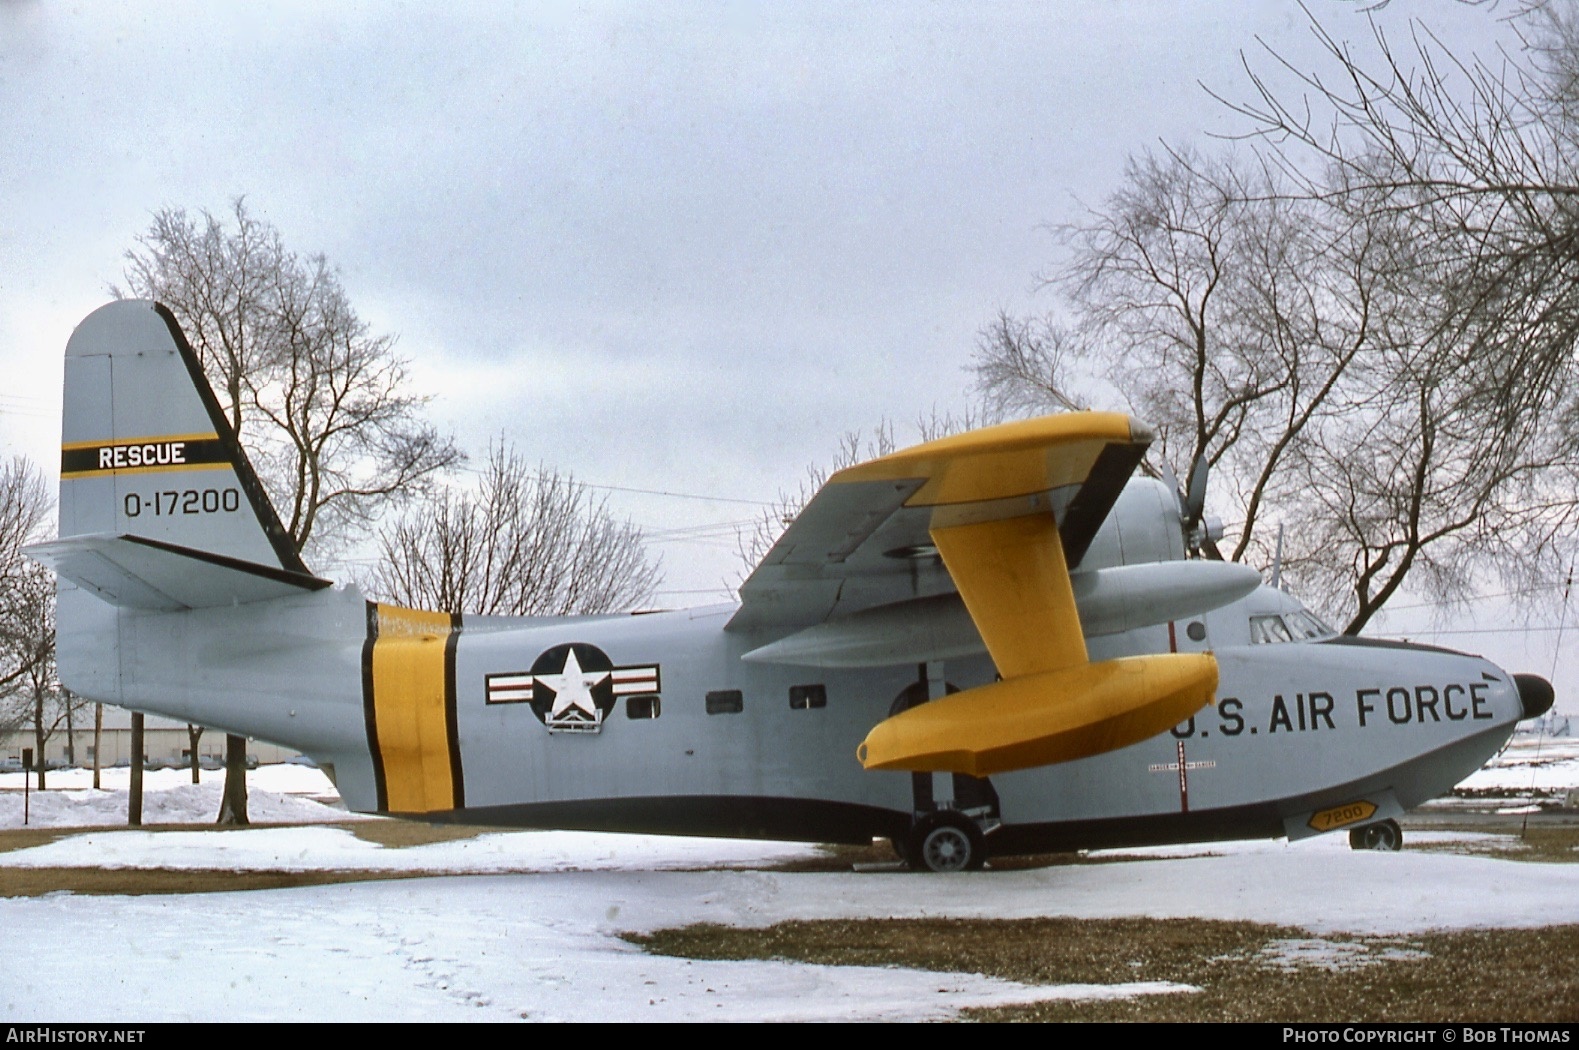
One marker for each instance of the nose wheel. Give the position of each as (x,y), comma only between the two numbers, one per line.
(945,841)
(1383,835)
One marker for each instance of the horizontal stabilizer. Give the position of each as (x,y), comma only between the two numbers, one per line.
(139,573)
(1035,720)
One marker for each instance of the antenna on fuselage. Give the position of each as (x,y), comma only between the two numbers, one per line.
(1277,561)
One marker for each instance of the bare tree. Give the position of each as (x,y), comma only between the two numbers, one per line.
(527,541)
(32,634)
(323,403)
(1160,283)
(1459,458)
(29,691)
(24,517)
(194,733)
(1371,321)
(24,512)
(854,447)
(1026,366)
(1428,478)
(1225,314)
(223,284)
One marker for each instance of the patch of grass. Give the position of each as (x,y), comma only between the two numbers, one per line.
(26,838)
(1546,844)
(35,882)
(1245,971)
(399,834)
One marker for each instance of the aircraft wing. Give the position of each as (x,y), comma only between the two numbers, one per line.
(865,539)
(1000,515)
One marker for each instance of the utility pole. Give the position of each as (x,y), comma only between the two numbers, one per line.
(134,797)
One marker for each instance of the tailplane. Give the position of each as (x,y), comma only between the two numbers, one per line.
(159,506)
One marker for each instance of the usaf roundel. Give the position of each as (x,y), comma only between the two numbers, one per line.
(572,687)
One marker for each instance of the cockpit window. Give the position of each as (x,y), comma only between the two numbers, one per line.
(1268,630)
(1305,625)
(1294,626)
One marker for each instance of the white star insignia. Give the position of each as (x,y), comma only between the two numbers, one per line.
(573,688)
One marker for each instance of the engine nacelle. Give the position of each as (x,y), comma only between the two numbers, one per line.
(1144,526)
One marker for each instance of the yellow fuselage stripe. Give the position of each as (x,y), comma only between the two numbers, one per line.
(410,702)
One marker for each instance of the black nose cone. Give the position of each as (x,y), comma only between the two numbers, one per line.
(1535,693)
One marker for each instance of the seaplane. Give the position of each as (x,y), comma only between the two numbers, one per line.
(990,644)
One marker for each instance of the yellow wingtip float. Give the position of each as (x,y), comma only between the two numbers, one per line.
(1059,716)
(999,540)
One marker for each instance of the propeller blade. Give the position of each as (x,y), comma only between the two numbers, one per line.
(1195,500)
(1170,479)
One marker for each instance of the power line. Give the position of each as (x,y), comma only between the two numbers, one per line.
(679,495)
(1490,630)
(1439,603)
(649,492)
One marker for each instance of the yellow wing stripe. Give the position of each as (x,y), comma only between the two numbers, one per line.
(410,679)
(1012,459)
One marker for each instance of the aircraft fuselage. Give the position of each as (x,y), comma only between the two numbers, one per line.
(665,729)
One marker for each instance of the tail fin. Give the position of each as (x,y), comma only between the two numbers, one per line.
(159,506)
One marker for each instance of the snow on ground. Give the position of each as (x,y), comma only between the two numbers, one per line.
(1529,763)
(1468,840)
(484,949)
(276,794)
(336,849)
(282,777)
(525,924)
(545,946)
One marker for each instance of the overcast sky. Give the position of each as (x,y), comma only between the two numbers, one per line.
(673,247)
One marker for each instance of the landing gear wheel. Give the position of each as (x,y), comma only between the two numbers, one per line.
(946,841)
(1383,835)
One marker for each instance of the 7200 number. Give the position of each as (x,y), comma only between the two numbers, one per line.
(185,501)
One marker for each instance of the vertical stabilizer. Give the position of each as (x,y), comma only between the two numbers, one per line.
(147,453)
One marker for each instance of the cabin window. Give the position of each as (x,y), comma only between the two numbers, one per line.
(643,707)
(806,696)
(725,702)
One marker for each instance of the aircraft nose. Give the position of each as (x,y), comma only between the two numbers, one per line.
(1535,694)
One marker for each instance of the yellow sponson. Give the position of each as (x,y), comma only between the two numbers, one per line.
(1040,719)
(412,697)
(1011,459)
